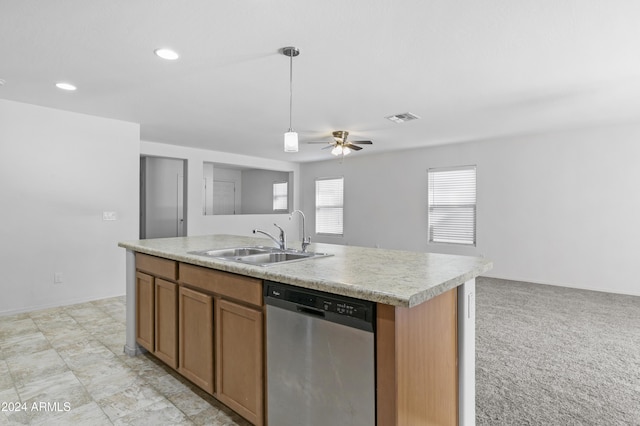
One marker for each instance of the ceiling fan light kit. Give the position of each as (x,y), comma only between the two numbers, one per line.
(340,150)
(341,146)
(290,137)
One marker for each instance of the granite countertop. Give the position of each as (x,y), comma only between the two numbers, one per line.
(393,277)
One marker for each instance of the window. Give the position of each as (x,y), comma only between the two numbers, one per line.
(329,206)
(280,198)
(452,205)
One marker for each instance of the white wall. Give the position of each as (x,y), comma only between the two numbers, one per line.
(59,172)
(257,195)
(199,224)
(558,208)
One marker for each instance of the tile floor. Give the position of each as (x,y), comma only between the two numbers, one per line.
(66,366)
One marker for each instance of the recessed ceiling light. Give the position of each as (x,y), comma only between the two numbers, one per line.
(167,54)
(66,86)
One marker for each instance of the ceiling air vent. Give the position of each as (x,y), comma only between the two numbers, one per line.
(401,118)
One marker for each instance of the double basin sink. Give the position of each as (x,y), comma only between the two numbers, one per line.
(259,255)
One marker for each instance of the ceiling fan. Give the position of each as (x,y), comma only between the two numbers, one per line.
(341,146)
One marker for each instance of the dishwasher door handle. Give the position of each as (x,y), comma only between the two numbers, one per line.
(310,311)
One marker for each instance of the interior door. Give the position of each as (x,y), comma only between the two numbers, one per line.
(162,198)
(224,197)
(180,231)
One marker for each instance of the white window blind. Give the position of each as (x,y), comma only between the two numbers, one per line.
(452,205)
(280,199)
(329,206)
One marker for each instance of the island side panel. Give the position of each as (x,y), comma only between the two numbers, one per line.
(417,371)
(131,348)
(386,386)
(467,352)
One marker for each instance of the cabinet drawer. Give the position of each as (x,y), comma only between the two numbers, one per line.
(234,286)
(157,266)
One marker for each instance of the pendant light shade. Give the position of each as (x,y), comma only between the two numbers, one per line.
(290,137)
(290,141)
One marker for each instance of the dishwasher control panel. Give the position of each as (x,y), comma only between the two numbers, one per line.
(329,305)
(345,308)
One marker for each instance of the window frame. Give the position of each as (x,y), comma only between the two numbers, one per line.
(286,197)
(430,206)
(317,208)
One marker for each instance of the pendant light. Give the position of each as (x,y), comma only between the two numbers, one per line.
(290,137)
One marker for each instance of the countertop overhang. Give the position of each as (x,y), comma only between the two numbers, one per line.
(392,277)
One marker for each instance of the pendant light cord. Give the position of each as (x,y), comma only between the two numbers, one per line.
(290,87)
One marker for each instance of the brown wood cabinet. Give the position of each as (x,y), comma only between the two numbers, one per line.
(239,337)
(195,336)
(239,359)
(209,325)
(157,307)
(166,322)
(231,286)
(145,310)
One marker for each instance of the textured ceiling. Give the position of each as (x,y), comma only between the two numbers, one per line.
(472,70)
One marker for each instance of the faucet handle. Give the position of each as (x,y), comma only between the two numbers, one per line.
(283,237)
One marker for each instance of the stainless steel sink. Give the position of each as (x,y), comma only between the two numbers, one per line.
(261,256)
(270,258)
(233,252)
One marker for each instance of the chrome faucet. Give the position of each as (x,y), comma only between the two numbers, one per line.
(282,242)
(305,240)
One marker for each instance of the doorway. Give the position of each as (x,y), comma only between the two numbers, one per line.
(163,197)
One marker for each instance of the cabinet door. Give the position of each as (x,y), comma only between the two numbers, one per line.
(195,359)
(145,311)
(239,359)
(166,345)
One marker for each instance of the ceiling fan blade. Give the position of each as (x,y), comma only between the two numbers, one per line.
(328,146)
(319,142)
(354,147)
(362,142)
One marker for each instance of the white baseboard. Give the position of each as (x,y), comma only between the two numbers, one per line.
(524,280)
(54,305)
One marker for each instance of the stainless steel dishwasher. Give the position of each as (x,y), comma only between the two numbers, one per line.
(320,358)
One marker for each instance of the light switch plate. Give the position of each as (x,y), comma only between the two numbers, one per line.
(109,216)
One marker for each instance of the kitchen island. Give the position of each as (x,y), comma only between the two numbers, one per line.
(425,318)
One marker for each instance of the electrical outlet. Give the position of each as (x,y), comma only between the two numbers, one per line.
(57,278)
